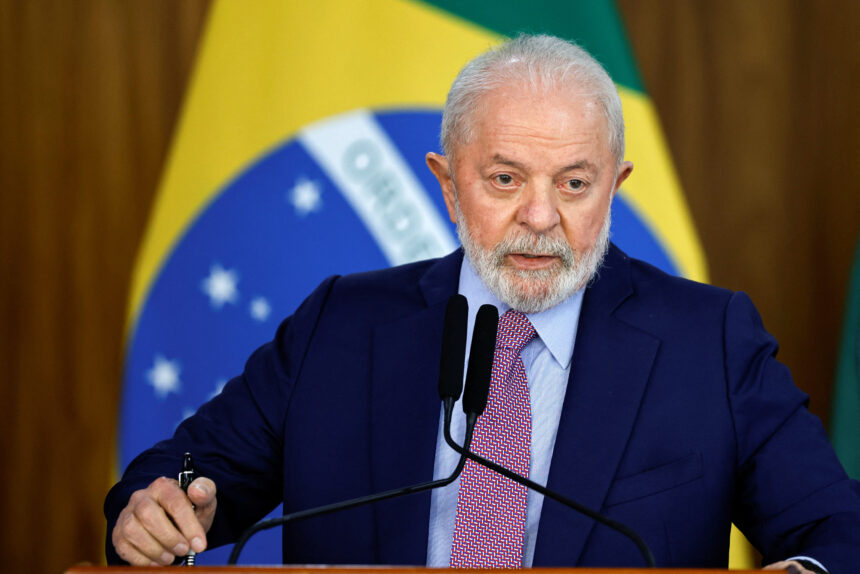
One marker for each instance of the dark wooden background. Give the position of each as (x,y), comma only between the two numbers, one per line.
(757,99)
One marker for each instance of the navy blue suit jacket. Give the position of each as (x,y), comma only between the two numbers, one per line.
(677,421)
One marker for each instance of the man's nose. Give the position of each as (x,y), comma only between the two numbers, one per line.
(539,207)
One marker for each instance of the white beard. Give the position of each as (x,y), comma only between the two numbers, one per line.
(533,291)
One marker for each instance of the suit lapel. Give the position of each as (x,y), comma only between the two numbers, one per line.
(405,411)
(610,368)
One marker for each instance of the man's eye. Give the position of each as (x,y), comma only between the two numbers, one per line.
(575,184)
(504,179)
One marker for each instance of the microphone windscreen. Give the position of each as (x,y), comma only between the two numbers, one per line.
(453,358)
(481,360)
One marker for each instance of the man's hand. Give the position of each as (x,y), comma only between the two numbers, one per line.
(791,566)
(159,524)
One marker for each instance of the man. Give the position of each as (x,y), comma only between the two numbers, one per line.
(651,398)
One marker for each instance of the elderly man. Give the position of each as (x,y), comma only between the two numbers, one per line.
(651,398)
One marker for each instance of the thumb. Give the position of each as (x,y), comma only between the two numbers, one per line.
(202,492)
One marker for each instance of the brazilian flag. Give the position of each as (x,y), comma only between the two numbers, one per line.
(845,421)
(300,153)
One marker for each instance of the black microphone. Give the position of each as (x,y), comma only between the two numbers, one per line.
(453,357)
(477,391)
(481,361)
(450,387)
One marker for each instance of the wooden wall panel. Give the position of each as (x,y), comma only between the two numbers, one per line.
(89,94)
(756,99)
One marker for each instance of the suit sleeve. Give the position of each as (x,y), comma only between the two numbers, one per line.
(793,496)
(237,437)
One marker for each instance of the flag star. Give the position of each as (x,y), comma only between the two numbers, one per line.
(186,412)
(220,286)
(164,376)
(260,309)
(305,196)
(219,386)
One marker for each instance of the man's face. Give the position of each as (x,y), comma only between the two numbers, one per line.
(530,193)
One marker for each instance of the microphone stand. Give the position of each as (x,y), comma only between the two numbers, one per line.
(345,505)
(464,451)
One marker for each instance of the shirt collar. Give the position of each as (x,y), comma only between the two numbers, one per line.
(556,326)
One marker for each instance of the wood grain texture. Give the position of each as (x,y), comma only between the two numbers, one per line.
(756,99)
(89,93)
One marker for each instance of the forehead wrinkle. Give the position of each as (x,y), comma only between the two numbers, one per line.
(538,139)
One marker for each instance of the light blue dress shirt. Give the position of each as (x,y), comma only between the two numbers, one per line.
(547,361)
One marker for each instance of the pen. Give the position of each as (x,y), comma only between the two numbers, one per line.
(186,477)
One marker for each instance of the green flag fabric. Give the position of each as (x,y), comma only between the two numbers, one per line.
(845,421)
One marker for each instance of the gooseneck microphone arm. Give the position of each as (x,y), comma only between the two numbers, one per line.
(450,386)
(475,401)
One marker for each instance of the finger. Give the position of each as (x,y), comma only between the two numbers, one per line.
(152,518)
(144,543)
(134,544)
(123,547)
(174,502)
(131,554)
(202,492)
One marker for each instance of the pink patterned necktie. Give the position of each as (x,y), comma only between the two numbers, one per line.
(491,509)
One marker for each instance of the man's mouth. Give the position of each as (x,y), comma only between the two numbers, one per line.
(532,260)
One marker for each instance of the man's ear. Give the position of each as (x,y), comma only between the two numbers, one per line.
(441,168)
(624,171)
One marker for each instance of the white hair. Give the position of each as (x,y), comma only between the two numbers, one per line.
(540,62)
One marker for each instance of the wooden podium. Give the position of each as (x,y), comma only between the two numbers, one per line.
(382,570)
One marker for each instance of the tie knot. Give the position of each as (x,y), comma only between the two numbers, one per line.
(515,331)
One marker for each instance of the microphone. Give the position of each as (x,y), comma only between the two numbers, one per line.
(475,401)
(453,357)
(450,387)
(481,362)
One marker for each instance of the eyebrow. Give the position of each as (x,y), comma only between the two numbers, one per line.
(581,164)
(498,158)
